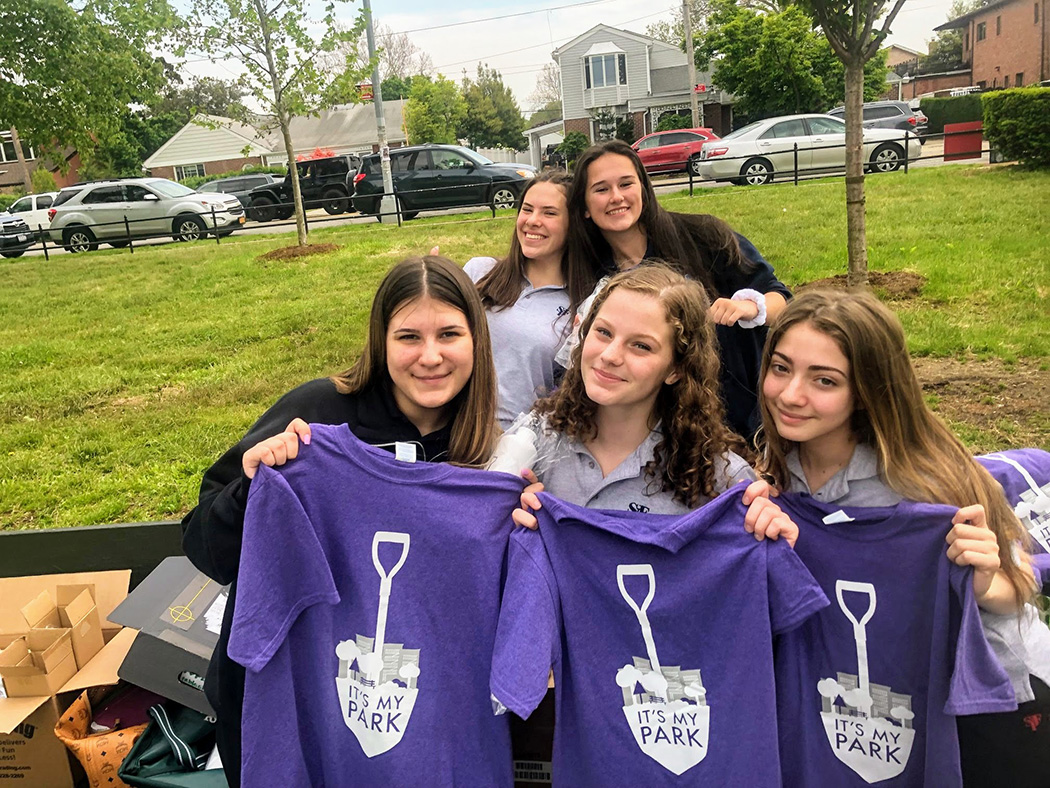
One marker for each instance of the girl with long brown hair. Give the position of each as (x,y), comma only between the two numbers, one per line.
(638,423)
(531,294)
(844,420)
(424,378)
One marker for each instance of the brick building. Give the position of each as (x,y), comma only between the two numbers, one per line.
(1006,43)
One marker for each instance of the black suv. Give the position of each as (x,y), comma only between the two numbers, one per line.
(431,177)
(324,183)
(15,235)
(888,115)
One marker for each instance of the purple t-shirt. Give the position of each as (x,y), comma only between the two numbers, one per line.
(1025,477)
(660,630)
(367,600)
(866,688)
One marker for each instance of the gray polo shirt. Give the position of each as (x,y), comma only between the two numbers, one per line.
(1021,644)
(570,472)
(525,337)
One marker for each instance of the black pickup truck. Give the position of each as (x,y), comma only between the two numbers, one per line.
(324,183)
(15,235)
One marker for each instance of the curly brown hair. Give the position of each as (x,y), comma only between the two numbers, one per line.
(690,411)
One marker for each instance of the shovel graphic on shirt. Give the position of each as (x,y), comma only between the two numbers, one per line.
(871,730)
(377,680)
(666,707)
(1033,507)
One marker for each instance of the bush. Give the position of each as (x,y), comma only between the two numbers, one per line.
(43,181)
(672,122)
(573,145)
(1015,124)
(195,181)
(625,130)
(954,109)
(7,200)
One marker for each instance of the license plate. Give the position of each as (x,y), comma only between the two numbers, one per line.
(23,238)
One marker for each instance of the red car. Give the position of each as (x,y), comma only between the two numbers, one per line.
(673,151)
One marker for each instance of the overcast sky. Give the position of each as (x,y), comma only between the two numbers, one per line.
(520,43)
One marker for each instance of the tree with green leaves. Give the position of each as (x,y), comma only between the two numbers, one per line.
(572,145)
(946,48)
(669,121)
(281,47)
(69,71)
(856,30)
(776,63)
(492,118)
(434,110)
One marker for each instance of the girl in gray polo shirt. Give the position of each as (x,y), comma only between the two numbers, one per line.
(637,423)
(530,295)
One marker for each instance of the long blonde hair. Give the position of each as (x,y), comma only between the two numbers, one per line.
(918,455)
(690,410)
(474,427)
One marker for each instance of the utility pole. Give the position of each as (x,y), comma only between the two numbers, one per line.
(687,22)
(387,205)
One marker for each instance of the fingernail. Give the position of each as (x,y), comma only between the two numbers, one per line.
(306,439)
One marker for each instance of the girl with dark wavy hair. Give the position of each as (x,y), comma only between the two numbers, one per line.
(637,422)
(616,223)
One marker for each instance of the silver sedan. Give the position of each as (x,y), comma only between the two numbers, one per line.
(758,152)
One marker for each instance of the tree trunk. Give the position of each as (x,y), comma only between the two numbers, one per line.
(293,173)
(27,178)
(856,231)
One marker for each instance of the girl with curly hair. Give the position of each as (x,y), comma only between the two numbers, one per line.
(637,423)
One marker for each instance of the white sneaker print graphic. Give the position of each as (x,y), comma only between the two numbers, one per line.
(377,680)
(871,730)
(669,717)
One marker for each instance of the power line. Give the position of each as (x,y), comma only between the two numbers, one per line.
(504,16)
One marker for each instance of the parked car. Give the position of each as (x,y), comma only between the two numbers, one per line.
(15,235)
(85,214)
(32,209)
(756,153)
(432,177)
(323,183)
(239,186)
(673,151)
(888,115)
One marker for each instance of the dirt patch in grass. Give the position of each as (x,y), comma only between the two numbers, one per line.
(293,252)
(892,285)
(991,405)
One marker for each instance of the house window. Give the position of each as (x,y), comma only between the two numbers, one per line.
(1006,81)
(1019,79)
(606,70)
(982,84)
(1036,7)
(7,150)
(966,39)
(183,171)
(982,31)
(998,25)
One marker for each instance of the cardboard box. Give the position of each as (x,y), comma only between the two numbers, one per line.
(38,664)
(177,634)
(78,612)
(30,754)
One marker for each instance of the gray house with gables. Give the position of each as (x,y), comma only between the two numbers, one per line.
(629,75)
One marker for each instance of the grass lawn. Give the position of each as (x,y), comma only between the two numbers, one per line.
(123,376)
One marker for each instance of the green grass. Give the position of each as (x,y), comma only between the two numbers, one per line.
(123,376)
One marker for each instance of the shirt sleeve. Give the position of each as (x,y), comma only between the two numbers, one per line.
(793,593)
(477,267)
(283,570)
(979,684)
(528,634)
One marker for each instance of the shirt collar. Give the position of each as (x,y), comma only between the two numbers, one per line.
(864,464)
(634,464)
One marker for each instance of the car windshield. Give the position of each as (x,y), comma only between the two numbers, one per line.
(743,130)
(65,196)
(170,188)
(474,156)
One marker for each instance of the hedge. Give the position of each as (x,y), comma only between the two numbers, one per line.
(195,181)
(7,200)
(1017,124)
(954,109)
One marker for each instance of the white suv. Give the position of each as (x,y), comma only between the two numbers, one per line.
(132,208)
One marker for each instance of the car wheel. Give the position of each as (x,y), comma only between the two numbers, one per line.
(503,198)
(263,209)
(756,172)
(334,202)
(886,158)
(189,228)
(694,165)
(285,212)
(117,244)
(79,239)
(19,253)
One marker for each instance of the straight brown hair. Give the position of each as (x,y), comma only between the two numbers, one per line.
(474,427)
(918,456)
